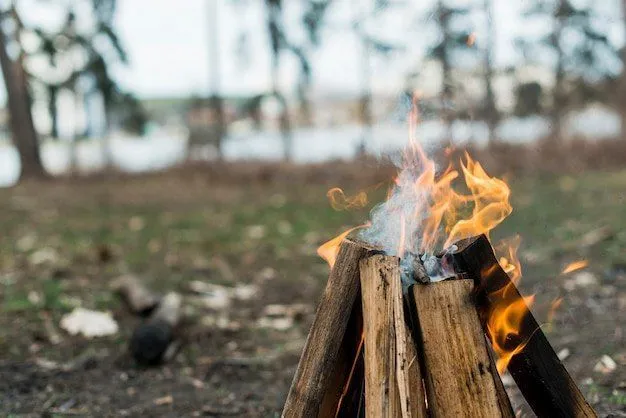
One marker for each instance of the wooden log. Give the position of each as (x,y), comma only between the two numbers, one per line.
(459,382)
(322,347)
(139,299)
(541,377)
(503,397)
(393,383)
(344,392)
(153,340)
(379,276)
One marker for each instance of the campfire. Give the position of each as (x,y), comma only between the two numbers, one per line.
(421,312)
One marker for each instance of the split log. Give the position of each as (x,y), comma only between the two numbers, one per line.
(344,393)
(379,276)
(457,374)
(393,385)
(321,350)
(153,340)
(139,298)
(538,372)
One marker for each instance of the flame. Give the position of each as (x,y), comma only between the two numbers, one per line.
(427,211)
(504,324)
(329,250)
(339,201)
(575,266)
(554,306)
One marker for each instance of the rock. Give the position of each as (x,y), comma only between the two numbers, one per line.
(89,323)
(581,279)
(606,365)
(563,354)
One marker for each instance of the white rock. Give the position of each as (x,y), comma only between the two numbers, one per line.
(563,354)
(606,365)
(580,280)
(89,323)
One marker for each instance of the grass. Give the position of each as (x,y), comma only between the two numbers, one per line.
(171,228)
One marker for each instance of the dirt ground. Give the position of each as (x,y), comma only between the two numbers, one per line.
(256,228)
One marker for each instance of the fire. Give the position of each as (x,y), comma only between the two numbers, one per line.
(504,324)
(339,201)
(428,210)
(554,306)
(329,250)
(575,266)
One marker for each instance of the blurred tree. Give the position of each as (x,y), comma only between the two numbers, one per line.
(280,41)
(454,38)
(79,61)
(490,109)
(18,96)
(585,63)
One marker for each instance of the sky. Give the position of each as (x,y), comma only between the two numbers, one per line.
(169,46)
(168,43)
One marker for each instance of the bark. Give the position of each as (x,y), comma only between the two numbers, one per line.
(322,354)
(541,377)
(21,120)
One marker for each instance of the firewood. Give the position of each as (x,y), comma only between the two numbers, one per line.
(458,378)
(153,340)
(393,384)
(379,276)
(537,370)
(322,348)
(503,396)
(140,299)
(344,395)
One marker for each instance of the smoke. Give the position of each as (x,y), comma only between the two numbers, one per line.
(397,225)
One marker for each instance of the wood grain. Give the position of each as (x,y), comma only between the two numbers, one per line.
(456,362)
(379,275)
(321,351)
(541,377)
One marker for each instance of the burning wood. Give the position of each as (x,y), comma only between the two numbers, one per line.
(537,370)
(458,377)
(319,362)
(392,377)
(432,239)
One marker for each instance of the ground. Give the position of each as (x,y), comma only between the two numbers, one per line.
(62,242)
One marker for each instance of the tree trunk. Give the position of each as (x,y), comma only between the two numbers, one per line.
(365,101)
(446,72)
(558,101)
(21,120)
(622,88)
(53,110)
(491,111)
(215,100)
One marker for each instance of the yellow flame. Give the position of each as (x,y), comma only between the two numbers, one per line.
(339,201)
(575,266)
(554,306)
(449,216)
(504,324)
(329,250)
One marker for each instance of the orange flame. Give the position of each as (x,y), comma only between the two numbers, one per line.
(329,250)
(339,201)
(504,324)
(440,216)
(575,266)
(554,306)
